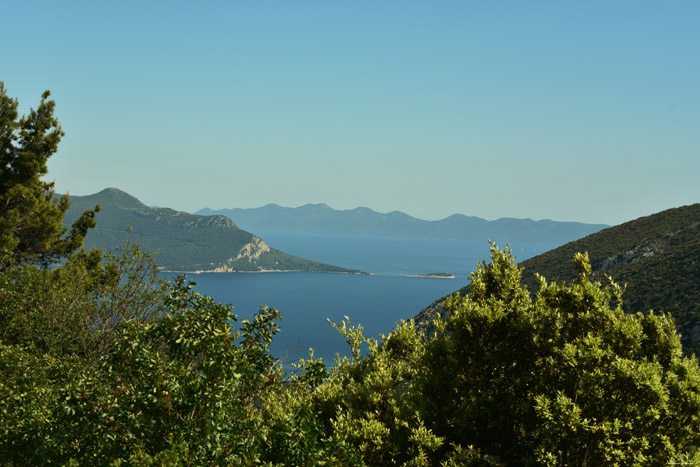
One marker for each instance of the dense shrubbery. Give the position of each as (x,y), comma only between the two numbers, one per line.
(564,379)
(101,363)
(172,383)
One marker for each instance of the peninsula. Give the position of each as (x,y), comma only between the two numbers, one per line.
(182,241)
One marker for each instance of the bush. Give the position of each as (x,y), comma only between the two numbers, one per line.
(565,379)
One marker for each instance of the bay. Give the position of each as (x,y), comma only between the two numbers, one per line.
(377,302)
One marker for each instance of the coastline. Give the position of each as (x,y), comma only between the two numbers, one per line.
(262,271)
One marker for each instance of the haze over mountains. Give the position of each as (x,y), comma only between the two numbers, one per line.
(322,219)
(183,241)
(656,257)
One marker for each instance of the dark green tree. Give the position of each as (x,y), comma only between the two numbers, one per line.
(31,216)
(566,378)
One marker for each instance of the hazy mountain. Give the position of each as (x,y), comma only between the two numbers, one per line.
(322,219)
(657,257)
(183,241)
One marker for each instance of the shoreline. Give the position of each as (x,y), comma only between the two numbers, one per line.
(262,271)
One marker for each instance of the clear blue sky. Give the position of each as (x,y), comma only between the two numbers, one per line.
(584,111)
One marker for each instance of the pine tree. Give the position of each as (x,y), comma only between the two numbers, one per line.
(31,215)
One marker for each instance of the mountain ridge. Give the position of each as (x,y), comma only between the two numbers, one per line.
(184,241)
(322,219)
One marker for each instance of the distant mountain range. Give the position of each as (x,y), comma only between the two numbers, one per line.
(183,241)
(657,257)
(322,219)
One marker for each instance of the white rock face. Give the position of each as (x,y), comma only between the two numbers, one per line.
(252,250)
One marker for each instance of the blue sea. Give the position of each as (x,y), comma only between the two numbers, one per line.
(377,302)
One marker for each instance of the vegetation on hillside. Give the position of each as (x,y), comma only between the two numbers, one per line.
(103,363)
(657,259)
(183,241)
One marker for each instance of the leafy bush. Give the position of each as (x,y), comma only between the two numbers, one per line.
(74,309)
(566,378)
(179,385)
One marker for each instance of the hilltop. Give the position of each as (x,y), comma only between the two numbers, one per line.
(656,257)
(183,241)
(322,219)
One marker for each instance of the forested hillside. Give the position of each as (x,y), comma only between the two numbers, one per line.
(656,258)
(183,241)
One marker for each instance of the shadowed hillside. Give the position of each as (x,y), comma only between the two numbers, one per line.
(656,257)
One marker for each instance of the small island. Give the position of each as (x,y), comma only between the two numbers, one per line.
(434,275)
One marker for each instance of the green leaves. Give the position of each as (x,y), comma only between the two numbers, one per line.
(566,378)
(31,228)
(104,364)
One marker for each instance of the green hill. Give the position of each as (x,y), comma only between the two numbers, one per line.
(657,257)
(182,241)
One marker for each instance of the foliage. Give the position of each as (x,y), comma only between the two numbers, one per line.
(31,228)
(291,430)
(31,399)
(74,309)
(179,382)
(176,383)
(104,365)
(367,401)
(566,378)
(656,258)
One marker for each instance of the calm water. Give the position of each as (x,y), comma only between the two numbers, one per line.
(377,302)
